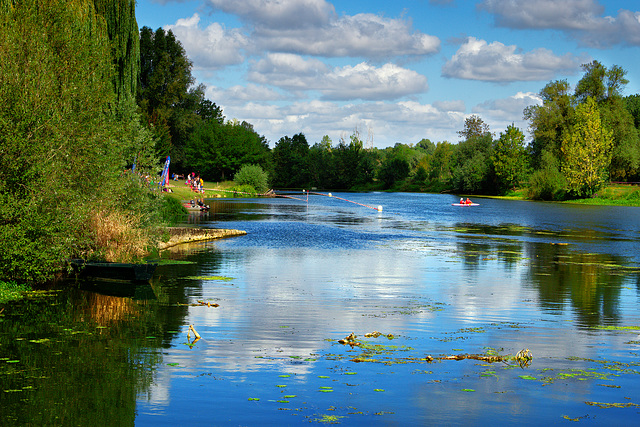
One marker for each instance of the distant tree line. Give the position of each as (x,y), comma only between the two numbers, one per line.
(581,139)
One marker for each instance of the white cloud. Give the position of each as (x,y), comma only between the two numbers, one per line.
(363,35)
(362,81)
(580,19)
(238,95)
(453,105)
(495,62)
(212,48)
(278,13)
(406,122)
(499,113)
(312,27)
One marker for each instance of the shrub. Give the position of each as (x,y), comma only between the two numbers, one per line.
(172,210)
(253,176)
(547,184)
(242,191)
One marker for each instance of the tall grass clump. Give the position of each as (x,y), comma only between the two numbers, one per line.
(118,236)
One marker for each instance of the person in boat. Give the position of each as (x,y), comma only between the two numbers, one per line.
(468,202)
(461,201)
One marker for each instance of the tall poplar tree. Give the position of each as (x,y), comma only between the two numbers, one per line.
(586,151)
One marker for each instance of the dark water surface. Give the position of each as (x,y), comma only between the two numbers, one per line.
(560,280)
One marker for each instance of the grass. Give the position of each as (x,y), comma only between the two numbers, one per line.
(612,195)
(183,192)
(118,236)
(11,291)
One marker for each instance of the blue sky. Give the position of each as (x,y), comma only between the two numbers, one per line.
(395,71)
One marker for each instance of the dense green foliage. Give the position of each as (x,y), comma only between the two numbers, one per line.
(216,151)
(11,291)
(122,29)
(190,128)
(586,151)
(253,176)
(64,140)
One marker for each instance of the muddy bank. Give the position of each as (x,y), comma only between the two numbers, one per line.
(179,235)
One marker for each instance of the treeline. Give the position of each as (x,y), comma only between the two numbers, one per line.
(186,126)
(581,138)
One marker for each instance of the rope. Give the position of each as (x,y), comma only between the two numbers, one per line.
(272,193)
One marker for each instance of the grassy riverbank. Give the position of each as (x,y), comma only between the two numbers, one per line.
(613,195)
(11,291)
(183,192)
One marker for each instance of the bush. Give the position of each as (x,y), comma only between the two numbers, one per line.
(242,191)
(252,176)
(172,211)
(547,184)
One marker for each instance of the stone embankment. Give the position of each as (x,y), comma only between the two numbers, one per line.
(179,235)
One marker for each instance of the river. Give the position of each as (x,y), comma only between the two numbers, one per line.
(558,282)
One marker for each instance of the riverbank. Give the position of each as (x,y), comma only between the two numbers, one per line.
(180,235)
(613,195)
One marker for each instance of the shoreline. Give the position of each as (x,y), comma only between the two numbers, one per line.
(181,235)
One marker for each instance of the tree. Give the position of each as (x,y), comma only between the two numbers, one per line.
(442,162)
(605,87)
(474,126)
(171,103)
(550,121)
(600,83)
(122,28)
(625,159)
(290,162)
(427,146)
(473,171)
(632,103)
(217,151)
(63,145)
(586,151)
(509,158)
(393,169)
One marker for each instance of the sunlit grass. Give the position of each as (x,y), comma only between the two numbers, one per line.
(11,291)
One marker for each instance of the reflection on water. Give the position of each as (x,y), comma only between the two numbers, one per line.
(560,280)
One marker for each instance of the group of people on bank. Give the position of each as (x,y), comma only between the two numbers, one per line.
(195,182)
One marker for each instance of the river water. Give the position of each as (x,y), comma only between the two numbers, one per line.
(560,281)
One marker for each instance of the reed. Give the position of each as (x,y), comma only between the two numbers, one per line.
(118,236)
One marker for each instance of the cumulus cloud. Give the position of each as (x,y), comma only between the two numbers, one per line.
(278,13)
(495,62)
(242,94)
(500,113)
(212,48)
(580,19)
(453,105)
(362,81)
(362,35)
(312,27)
